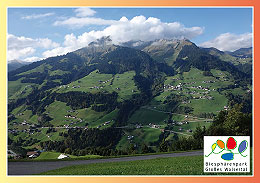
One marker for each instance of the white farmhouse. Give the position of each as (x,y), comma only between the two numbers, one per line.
(62,156)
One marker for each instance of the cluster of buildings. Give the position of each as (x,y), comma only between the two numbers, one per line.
(32,155)
(101,82)
(181,85)
(130,137)
(32,128)
(96,87)
(64,86)
(210,81)
(203,95)
(73,117)
(154,125)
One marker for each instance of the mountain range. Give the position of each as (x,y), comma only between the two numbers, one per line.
(142,92)
(15,64)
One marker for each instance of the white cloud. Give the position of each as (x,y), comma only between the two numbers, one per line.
(13,54)
(83,19)
(84,12)
(37,16)
(230,42)
(79,22)
(32,59)
(20,47)
(57,51)
(123,30)
(15,42)
(146,29)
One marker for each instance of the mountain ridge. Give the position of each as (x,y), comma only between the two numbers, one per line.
(15,64)
(141,95)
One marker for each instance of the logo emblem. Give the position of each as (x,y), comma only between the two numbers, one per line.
(226,154)
(231,144)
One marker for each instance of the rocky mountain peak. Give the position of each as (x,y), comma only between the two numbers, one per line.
(104,41)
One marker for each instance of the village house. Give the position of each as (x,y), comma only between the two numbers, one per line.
(138,126)
(11,153)
(32,154)
(129,137)
(226,108)
(62,156)
(106,123)
(155,126)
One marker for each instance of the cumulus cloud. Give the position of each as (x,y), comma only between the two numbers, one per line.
(13,54)
(15,42)
(84,12)
(83,18)
(123,30)
(37,16)
(32,59)
(20,47)
(57,51)
(230,42)
(79,22)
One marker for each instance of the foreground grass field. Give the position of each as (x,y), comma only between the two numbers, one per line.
(54,155)
(189,165)
(48,155)
(161,166)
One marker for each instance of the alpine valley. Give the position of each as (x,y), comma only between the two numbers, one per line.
(136,97)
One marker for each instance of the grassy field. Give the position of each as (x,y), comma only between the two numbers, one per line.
(58,72)
(90,116)
(189,165)
(155,112)
(55,155)
(18,89)
(108,117)
(146,116)
(207,106)
(235,60)
(142,135)
(40,69)
(95,82)
(192,125)
(22,114)
(48,155)
(146,135)
(126,84)
(43,136)
(178,117)
(192,165)
(190,82)
(58,110)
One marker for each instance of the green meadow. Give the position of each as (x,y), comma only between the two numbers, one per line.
(188,165)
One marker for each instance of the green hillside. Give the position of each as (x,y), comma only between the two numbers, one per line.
(96,82)
(137,99)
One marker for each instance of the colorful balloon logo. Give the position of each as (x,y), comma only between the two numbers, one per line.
(214,146)
(242,146)
(221,144)
(228,156)
(231,144)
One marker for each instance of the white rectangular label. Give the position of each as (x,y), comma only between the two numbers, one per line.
(226,154)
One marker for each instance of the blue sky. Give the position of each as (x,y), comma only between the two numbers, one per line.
(36,33)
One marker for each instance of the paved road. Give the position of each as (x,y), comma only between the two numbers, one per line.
(30,168)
